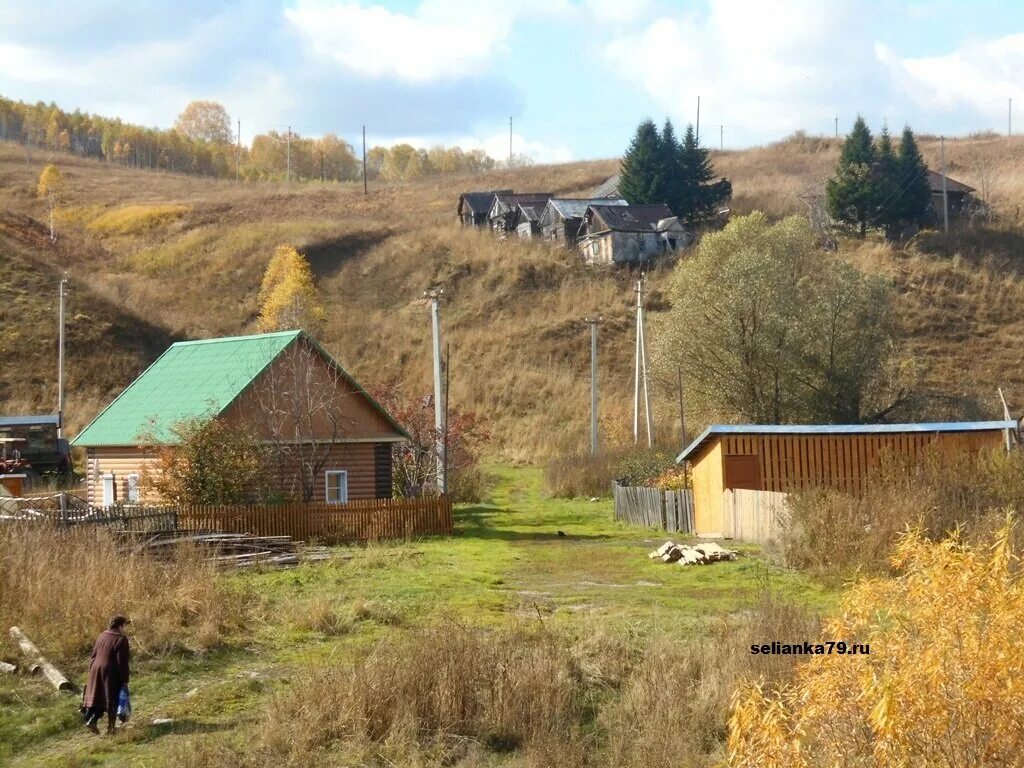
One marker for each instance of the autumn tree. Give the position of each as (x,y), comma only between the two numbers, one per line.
(288,297)
(209,461)
(767,327)
(940,686)
(205,121)
(51,189)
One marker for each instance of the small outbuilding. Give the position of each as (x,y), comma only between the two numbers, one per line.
(787,458)
(958,194)
(629,234)
(474,207)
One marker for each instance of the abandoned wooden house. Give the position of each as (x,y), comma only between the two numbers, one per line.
(787,458)
(328,439)
(525,220)
(629,234)
(562,217)
(958,195)
(474,207)
(609,188)
(503,215)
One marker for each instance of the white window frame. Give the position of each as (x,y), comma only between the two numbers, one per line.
(342,486)
(132,490)
(108,489)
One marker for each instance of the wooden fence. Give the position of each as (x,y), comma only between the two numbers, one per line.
(653,507)
(754,516)
(362,520)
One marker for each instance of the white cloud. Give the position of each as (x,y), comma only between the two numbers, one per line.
(440,39)
(617,11)
(978,75)
(762,69)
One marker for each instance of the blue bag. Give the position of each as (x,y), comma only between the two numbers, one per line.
(124,705)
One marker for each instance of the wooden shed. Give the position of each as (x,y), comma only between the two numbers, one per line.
(328,437)
(786,458)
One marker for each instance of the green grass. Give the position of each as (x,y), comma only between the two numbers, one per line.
(506,560)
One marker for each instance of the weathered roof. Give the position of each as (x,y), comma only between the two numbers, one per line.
(511,200)
(576,207)
(194,379)
(609,188)
(841,429)
(528,212)
(952,185)
(29,421)
(632,218)
(480,202)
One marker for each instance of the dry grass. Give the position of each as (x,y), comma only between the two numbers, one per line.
(520,352)
(527,695)
(836,535)
(136,219)
(62,587)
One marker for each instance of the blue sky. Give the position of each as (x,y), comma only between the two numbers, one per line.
(575,75)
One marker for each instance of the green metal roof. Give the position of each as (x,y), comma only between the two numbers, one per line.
(192,379)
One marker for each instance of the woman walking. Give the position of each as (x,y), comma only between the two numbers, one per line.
(108,671)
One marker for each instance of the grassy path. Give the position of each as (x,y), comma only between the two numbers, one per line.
(506,561)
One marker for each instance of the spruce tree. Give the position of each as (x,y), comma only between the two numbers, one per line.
(851,191)
(700,194)
(914,204)
(885,179)
(642,180)
(672,167)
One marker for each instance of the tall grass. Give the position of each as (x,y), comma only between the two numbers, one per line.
(62,587)
(452,694)
(837,535)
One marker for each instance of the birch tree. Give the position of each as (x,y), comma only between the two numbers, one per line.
(51,189)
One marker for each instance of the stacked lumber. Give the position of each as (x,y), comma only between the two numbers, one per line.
(684,554)
(237,550)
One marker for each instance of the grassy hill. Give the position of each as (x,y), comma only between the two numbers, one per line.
(155,256)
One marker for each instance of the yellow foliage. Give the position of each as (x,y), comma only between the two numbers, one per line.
(288,297)
(941,683)
(51,183)
(137,219)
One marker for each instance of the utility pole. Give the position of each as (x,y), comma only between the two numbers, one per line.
(641,369)
(698,121)
(1009,118)
(510,142)
(945,198)
(238,152)
(721,137)
(682,413)
(289,176)
(439,399)
(1008,417)
(62,293)
(592,322)
(365,192)
(837,126)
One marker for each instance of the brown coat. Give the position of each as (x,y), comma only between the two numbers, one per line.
(108,671)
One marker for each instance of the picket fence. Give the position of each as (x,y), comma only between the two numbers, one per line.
(362,520)
(654,508)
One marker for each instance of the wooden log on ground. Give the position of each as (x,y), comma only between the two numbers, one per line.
(40,663)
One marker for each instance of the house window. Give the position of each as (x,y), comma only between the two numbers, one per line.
(109,491)
(337,486)
(133,488)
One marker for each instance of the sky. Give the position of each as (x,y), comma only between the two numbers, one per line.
(575,76)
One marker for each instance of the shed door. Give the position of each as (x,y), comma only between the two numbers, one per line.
(743,472)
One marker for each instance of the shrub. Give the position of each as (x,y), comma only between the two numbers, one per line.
(939,686)
(581,474)
(136,219)
(641,467)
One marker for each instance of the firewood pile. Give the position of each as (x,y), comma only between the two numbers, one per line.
(704,553)
(237,550)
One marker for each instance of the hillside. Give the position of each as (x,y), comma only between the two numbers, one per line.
(153,256)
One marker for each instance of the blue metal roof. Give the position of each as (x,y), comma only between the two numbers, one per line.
(28,421)
(842,429)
